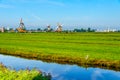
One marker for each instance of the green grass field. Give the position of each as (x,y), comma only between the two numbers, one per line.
(6,74)
(97,46)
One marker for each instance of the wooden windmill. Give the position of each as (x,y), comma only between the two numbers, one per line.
(59,28)
(21,27)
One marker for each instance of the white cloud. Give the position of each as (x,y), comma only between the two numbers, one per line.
(49,2)
(36,17)
(97,74)
(5,6)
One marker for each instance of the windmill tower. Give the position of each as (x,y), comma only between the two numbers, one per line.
(59,28)
(22,26)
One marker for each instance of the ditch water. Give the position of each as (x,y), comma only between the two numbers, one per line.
(60,71)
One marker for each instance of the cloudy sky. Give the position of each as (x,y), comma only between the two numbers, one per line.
(70,13)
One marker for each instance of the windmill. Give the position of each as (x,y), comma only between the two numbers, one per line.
(48,28)
(59,28)
(2,29)
(21,27)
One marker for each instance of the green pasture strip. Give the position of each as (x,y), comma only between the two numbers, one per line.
(100,49)
(97,45)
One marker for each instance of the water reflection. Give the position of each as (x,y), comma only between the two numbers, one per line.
(60,71)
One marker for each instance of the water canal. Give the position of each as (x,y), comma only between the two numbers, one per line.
(60,71)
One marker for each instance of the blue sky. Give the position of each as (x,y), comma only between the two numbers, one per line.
(70,13)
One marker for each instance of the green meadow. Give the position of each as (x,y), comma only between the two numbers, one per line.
(95,47)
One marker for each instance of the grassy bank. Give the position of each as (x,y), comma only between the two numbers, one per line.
(6,74)
(101,49)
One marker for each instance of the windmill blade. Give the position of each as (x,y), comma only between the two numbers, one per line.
(59,25)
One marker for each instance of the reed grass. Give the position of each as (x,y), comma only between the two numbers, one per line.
(7,74)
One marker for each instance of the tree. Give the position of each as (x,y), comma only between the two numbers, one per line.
(39,29)
(89,29)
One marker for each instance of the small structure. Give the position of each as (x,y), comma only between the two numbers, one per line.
(59,28)
(21,27)
(2,29)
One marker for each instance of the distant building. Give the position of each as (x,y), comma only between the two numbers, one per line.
(2,29)
(109,30)
(106,30)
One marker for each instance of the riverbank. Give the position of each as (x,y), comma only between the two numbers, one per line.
(89,49)
(112,65)
(7,74)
